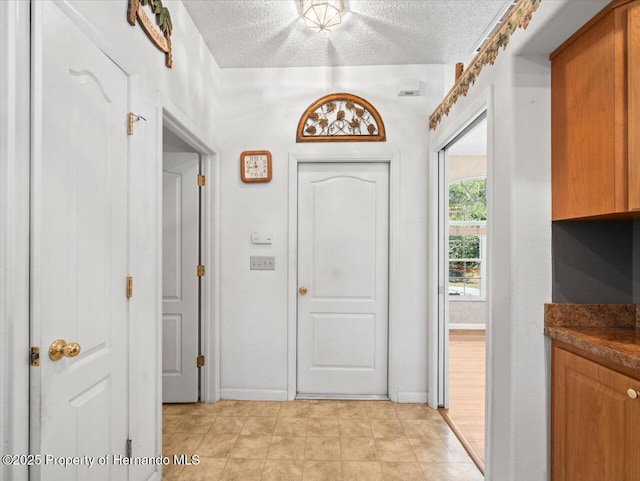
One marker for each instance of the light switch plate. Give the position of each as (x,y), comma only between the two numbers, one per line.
(259,236)
(262,263)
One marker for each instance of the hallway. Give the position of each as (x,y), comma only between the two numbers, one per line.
(313,441)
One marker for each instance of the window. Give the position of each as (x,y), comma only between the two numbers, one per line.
(467,239)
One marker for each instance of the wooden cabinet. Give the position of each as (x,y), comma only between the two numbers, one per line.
(595,117)
(595,424)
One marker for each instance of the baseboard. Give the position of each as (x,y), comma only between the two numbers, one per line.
(413,397)
(467,326)
(254,394)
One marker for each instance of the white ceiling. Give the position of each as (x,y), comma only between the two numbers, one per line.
(271,33)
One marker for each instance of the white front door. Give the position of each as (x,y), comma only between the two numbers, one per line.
(79,251)
(343,262)
(180,231)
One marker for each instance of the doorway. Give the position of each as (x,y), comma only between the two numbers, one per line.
(182,271)
(464,277)
(343,279)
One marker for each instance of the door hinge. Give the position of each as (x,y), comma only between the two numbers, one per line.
(200,271)
(35,356)
(440,289)
(131,118)
(129,287)
(201,180)
(129,449)
(199,361)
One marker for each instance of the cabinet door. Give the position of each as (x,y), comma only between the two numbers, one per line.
(633,59)
(585,77)
(595,424)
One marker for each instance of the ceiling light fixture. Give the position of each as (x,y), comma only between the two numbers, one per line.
(322,14)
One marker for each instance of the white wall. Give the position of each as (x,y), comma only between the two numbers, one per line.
(190,90)
(519,189)
(261,109)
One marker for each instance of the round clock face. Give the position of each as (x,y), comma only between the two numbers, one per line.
(256,166)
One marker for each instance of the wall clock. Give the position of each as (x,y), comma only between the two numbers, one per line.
(255,166)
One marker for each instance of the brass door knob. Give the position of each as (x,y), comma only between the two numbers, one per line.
(59,349)
(303,290)
(632,393)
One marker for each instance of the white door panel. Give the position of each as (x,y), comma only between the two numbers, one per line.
(79,251)
(343,244)
(179,281)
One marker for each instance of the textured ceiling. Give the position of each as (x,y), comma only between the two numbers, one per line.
(271,33)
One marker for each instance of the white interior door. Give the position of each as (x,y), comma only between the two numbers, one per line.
(80,250)
(180,231)
(343,261)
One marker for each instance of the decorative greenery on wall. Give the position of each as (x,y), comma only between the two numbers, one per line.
(340,118)
(519,16)
(161,38)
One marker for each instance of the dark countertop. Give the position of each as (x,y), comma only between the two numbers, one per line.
(617,344)
(610,331)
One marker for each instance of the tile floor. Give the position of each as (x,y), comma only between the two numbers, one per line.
(313,441)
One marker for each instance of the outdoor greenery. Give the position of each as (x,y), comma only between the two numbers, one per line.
(468,200)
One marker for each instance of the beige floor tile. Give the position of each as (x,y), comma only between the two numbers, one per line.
(209,469)
(211,409)
(177,408)
(323,449)
(322,471)
(443,472)
(227,425)
(287,447)
(254,426)
(217,446)
(394,450)
(197,424)
(291,427)
(237,408)
(335,440)
(354,410)
(171,472)
(358,449)
(412,411)
(355,427)
(419,428)
(459,454)
(471,471)
(430,450)
(265,408)
(294,409)
(251,447)
(402,472)
(386,428)
(381,410)
(323,409)
(170,423)
(361,471)
(279,470)
(323,427)
(182,443)
(243,470)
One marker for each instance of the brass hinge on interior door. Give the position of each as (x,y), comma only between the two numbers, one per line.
(200,271)
(201,180)
(199,361)
(34,355)
(131,118)
(129,288)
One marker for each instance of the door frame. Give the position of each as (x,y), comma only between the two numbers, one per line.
(484,102)
(183,127)
(15,140)
(395,348)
